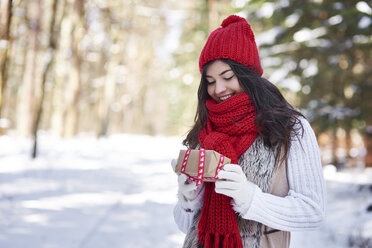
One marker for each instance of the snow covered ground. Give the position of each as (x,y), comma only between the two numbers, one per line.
(120,191)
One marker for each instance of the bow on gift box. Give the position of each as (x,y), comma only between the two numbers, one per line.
(200,176)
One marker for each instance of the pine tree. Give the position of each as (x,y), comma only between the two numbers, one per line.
(324,47)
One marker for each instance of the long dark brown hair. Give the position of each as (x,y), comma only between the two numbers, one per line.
(276,119)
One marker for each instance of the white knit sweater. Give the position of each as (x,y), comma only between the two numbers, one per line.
(304,206)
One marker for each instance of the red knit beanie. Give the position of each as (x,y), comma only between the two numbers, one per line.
(235,41)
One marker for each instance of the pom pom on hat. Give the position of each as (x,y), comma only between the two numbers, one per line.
(234,40)
(231,19)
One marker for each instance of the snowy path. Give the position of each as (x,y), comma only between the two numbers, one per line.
(119,192)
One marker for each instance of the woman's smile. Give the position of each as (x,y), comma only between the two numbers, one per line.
(223,98)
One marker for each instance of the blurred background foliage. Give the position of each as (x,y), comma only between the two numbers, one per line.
(107,66)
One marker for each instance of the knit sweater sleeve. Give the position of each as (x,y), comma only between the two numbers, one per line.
(304,206)
(185,210)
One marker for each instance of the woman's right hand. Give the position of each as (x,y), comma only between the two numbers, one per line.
(187,188)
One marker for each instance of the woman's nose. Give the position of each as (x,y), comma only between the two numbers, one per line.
(220,87)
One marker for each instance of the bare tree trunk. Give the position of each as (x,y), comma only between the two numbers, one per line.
(368,118)
(368,145)
(212,14)
(73,89)
(109,94)
(26,97)
(49,58)
(348,141)
(335,160)
(111,72)
(367,137)
(5,20)
(58,101)
(72,97)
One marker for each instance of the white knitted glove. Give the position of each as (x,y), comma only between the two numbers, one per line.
(233,183)
(186,187)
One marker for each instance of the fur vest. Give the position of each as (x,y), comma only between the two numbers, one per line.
(258,164)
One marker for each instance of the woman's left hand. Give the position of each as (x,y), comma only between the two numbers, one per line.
(233,183)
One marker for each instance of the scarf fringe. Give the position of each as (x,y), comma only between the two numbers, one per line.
(214,240)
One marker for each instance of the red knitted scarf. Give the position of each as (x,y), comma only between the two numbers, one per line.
(230,130)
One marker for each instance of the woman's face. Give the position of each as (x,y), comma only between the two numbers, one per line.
(222,81)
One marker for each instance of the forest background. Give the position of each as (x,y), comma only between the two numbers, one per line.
(131,66)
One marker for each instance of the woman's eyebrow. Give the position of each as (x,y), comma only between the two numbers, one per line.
(224,72)
(220,73)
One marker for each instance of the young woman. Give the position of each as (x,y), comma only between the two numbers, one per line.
(274,184)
